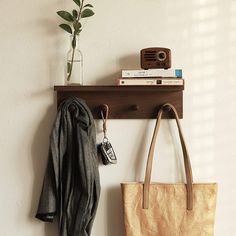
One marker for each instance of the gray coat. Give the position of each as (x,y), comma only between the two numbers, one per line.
(71,187)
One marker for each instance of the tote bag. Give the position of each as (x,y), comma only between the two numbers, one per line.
(153,209)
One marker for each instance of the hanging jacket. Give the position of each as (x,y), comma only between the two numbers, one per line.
(71,187)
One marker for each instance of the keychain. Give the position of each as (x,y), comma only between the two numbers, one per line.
(105,148)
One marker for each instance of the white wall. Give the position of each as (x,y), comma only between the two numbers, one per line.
(202,36)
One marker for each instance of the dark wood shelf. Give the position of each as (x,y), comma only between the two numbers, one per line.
(125,102)
(117,88)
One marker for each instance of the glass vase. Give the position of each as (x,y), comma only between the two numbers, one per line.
(74,65)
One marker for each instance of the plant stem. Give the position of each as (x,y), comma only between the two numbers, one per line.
(80,10)
(74,38)
(71,64)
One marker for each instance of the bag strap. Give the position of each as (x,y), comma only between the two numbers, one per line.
(187,165)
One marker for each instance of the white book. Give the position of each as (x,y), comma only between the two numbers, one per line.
(156,82)
(152,73)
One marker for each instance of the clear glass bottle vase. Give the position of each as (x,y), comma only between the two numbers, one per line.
(74,65)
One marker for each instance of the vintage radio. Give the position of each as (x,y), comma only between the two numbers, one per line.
(155,58)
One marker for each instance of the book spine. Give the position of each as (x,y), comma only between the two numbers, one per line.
(155,82)
(152,73)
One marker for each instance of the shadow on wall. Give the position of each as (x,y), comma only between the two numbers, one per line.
(56,41)
(141,153)
(115,225)
(127,62)
(39,151)
(212,93)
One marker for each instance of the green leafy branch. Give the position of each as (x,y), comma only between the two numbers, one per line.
(73,26)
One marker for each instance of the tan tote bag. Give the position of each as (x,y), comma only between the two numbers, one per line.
(153,209)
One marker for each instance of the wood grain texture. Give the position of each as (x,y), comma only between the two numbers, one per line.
(125,102)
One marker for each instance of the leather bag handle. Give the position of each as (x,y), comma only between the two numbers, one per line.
(187,165)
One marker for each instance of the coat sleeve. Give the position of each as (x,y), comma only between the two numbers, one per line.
(48,204)
(48,200)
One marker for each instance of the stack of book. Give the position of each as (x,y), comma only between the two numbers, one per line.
(153,77)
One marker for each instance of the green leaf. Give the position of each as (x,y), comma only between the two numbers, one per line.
(87,13)
(66,27)
(66,15)
(77,2)
(78,31)
(75,14)
(88,5)
(68,67)
(77,25)
(74,42)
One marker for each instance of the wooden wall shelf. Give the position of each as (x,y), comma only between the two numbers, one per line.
(125,102)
